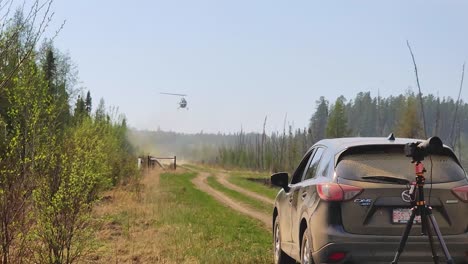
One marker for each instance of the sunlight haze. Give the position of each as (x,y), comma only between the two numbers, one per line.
(240,61)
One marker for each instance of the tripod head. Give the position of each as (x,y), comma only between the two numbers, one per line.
(420,149)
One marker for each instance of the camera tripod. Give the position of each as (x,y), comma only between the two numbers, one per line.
(425,211)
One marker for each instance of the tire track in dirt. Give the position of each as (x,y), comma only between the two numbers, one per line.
(223,179)
(201,183)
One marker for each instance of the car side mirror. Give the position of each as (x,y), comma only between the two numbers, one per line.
(280,179)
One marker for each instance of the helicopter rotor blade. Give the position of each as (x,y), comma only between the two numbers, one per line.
(183,95)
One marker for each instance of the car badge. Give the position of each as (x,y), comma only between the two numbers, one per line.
(451,201)
(406,196)
(363,202)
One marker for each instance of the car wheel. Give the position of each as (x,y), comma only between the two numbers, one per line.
(306,248)
(280,256)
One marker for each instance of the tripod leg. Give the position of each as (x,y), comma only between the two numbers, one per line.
(404,238)
(426,228)
(441,239)
(424,221)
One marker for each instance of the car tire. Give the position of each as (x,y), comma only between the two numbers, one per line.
(279,256)
(306,248)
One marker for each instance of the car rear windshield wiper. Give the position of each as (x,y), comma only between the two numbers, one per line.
(387,179)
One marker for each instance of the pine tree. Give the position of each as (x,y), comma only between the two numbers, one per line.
(409,125)
(50,69)
(80,107)
(337,123)
(56,74)
(88,103)
(318,122)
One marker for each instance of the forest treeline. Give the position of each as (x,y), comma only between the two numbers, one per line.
(362,116)
(56,152)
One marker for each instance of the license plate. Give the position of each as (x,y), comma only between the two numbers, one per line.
(402,216)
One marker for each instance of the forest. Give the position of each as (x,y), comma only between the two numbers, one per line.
(364,116)
(56,152)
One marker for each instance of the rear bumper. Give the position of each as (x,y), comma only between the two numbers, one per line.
(382,249)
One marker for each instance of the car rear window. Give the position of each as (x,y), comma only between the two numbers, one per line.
(393,163)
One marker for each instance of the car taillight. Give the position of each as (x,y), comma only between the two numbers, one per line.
(337,192)
(336,256)
(461,192)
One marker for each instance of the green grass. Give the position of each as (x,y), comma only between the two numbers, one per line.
(199,167)
(204,231)
(261,206)
(241,179)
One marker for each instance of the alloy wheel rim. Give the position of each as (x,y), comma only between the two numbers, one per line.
(306,252)
(277,244)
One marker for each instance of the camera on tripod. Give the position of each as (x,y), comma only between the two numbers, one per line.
(420,149)
(417,151)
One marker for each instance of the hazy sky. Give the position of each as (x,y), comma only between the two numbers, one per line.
(241,60)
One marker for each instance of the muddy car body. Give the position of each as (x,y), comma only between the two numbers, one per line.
(345,203)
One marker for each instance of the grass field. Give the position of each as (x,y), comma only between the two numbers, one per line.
(170,221)
(199,167)
(258,205)
(241,179)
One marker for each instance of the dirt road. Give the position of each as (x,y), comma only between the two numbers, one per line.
(201,183)
(222,178)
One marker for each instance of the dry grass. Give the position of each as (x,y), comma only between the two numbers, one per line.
(127,229)
(170,221)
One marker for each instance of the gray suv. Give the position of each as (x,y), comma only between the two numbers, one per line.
(347,203)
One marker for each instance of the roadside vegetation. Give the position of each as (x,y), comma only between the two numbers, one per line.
(56,154)
(171,221)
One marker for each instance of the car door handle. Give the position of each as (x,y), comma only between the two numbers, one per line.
(303,195)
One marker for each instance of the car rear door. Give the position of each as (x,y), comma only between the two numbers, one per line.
(304,194)
(382,208)
(291,197)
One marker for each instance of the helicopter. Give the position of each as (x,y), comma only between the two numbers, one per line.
(183,101)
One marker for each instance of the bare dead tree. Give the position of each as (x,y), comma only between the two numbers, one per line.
(257,152)
(378,127)
(283,142)
(437,121)
(452,131)
(459,142)
(419,88)
(262,165)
